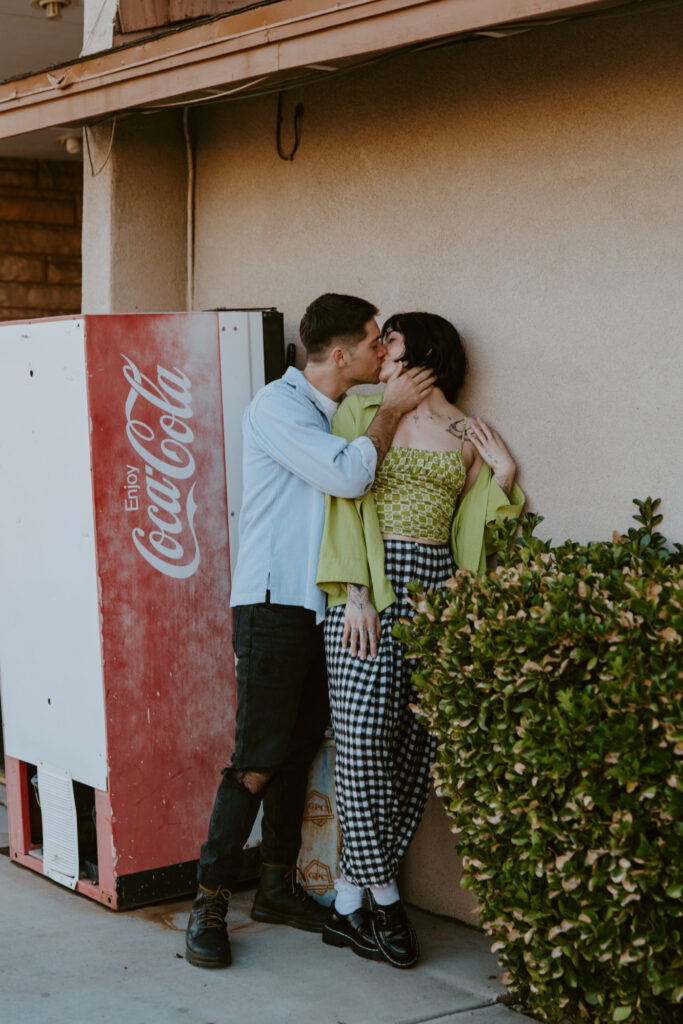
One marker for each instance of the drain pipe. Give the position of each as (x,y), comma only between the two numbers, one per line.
(190,210)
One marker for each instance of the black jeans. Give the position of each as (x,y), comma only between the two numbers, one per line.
(282,713)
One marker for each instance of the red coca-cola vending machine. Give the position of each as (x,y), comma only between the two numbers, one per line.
(120,461)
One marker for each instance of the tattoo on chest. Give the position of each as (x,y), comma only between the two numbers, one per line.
(457,428)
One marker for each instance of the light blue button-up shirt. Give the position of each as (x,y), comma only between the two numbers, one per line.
(290,461)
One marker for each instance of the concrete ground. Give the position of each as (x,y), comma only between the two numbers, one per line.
(68,960)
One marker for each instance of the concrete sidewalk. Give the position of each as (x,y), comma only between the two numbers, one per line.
(68,960)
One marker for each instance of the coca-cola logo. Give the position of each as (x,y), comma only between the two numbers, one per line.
(158,427)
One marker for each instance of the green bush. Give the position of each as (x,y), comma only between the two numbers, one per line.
(554,686)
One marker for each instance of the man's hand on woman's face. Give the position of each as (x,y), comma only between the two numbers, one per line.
(406,388)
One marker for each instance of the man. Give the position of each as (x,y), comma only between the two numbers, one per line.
(291,460)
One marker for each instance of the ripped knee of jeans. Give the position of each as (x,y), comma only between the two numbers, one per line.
(254,782)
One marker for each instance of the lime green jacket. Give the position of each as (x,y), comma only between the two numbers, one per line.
(352,549)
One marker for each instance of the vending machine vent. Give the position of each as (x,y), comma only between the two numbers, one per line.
(60,826)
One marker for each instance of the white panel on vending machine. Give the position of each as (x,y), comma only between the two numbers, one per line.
(53,704)
(240,363)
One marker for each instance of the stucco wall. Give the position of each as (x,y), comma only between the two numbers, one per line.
(527,188)
(524,187)
(135,216)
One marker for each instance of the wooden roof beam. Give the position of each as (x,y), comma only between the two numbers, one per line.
(266,40)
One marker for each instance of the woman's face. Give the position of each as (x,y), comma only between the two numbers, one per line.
(395,344)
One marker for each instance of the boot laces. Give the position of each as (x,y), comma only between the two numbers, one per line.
(215,906)
(293,877)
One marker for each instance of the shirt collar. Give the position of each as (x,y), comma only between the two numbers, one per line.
(296,379)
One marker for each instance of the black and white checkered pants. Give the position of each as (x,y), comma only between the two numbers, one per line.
(384,756)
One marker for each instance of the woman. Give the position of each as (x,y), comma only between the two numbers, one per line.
(444,478)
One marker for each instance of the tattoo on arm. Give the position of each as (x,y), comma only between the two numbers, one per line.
(381,442)
(457,428)
(503,481)
(358,596)
(381,431)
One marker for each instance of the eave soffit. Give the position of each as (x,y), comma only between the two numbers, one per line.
(276,41)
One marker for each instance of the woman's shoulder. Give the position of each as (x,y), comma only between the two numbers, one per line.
(457,428)
(457,422)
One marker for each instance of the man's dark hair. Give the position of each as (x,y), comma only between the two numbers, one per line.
(334,318)
(434,342)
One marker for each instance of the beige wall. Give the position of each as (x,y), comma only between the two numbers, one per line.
(135,216)
(430,872)
(527,188)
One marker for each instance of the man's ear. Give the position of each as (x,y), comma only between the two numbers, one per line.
(339,356)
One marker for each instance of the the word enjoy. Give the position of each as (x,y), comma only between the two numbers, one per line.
(169,468)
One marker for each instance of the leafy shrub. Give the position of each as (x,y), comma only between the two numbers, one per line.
(554,688)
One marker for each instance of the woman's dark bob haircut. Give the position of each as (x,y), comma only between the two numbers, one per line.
(434,342)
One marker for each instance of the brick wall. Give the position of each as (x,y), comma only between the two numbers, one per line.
(40,238)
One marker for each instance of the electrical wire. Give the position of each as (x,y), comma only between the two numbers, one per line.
(190,210)
(218,94)
(501,31)
(635,6)
(86,127)
(291,83)
(316,78)
(201,45)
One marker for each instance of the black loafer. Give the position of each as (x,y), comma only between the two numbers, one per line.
(394,934)
(352,930)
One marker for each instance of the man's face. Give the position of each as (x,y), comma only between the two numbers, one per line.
(367,356)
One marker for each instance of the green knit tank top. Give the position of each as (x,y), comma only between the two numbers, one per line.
(416,492)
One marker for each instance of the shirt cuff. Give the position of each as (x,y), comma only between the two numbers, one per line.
(368,454)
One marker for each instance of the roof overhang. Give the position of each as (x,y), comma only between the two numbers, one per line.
(270,40)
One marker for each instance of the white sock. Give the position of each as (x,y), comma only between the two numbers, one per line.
(349,897)
(383,895)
